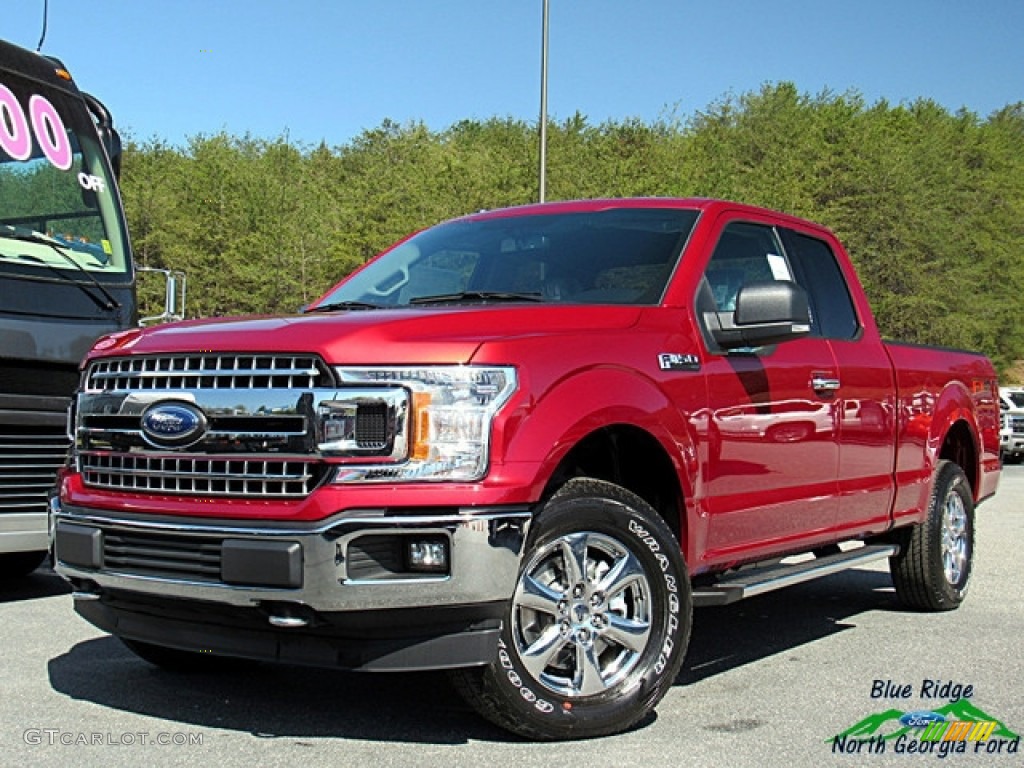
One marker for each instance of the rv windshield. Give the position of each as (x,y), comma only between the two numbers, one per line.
(59,209)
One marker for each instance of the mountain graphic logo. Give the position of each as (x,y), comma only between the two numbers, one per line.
(887,725)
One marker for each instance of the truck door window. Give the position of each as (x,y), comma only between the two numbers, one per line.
(831,305)
(745,253)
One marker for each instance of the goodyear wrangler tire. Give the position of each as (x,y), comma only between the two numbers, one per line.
(933,568)
(598,625)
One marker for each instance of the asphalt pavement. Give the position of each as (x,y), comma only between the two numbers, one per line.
(770,681)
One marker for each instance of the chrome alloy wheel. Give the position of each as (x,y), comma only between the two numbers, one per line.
(581,614)
(954,538)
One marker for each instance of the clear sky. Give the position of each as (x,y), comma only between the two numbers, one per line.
(330,69)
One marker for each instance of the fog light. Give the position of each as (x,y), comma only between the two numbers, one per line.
(427,555)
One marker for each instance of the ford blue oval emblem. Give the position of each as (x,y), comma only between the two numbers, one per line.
(173,425)
(921,719)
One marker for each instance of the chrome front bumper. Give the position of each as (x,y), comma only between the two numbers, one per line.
(154,557)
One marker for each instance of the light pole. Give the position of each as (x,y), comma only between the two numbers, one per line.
(544,102)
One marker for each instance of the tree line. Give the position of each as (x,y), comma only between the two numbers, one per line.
(929,203)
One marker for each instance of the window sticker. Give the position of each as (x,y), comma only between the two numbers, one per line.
(14,135)
(778,266)
(47,127)
(50,132)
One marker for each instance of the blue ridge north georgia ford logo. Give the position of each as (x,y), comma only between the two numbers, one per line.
(173,424)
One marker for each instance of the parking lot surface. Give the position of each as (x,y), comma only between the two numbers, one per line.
(769,681)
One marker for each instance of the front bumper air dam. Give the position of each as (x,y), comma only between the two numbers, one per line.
(335,593)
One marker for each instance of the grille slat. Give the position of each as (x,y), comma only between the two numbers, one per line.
(207,372)
(374,557)
(209,476)
(29,461)
(159,555)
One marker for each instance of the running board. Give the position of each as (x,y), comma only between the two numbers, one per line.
(768,578)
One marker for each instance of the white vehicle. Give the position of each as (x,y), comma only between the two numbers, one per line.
(1011,432)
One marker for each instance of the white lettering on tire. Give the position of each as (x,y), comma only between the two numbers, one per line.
(541,705)
(673,594)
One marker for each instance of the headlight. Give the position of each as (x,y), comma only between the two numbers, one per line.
(446,427)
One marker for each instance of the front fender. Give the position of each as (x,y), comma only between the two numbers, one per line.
(541,432)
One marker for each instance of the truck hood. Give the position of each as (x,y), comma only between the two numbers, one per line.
(372,337)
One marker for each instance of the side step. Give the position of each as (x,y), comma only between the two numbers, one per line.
(755,581)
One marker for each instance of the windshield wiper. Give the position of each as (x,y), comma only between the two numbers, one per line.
(29,236)
(470,296)
(334,306)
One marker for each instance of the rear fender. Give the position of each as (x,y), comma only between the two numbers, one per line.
(953,406)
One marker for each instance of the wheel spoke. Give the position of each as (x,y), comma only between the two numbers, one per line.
(539,597)
(629,633)
(588,679)
(574,557)
(539,654)
(954,538)
(626,571)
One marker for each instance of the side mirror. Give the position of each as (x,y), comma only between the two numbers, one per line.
(766,313)
(109,136)
(174,296)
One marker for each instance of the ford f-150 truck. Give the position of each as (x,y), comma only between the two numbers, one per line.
(522,445)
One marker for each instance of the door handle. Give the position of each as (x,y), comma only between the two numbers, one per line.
(823,382)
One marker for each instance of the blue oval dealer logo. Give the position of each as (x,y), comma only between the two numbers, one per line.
(921,719)
(173,424)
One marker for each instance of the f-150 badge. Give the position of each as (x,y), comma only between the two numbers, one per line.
(672,361)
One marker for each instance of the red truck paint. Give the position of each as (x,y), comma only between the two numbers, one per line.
(743,454)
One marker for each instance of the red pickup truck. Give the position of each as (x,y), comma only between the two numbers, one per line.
(522,445)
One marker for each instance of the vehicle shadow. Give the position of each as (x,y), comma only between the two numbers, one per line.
(42,582)
(273,701)
(731,636)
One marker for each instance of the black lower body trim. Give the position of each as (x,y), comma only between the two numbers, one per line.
(395,640)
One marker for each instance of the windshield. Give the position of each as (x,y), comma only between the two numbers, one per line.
(1016,399)
(616,256)
(59,211)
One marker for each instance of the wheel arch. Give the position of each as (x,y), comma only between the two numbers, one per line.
(630,457)
(961,447)
(638,440)
(955,434)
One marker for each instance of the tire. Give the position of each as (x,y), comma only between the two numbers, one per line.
(17,564)
(933,568)
(175,659)
(603,602)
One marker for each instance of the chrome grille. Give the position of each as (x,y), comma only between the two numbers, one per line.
(209,371)
(1017,423)
(29,460)
(194,557)
(209,476)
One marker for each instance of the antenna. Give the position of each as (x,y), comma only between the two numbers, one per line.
(46,9)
